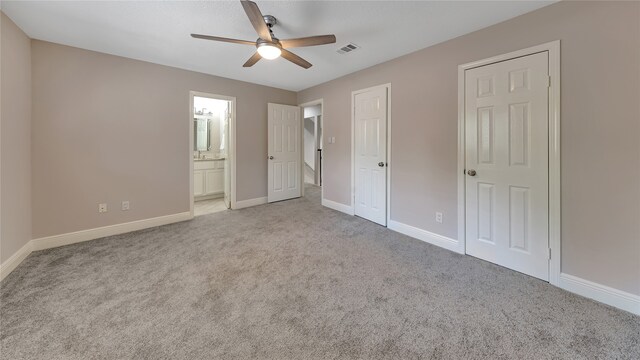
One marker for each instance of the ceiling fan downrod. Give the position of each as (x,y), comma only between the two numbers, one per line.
(270,20)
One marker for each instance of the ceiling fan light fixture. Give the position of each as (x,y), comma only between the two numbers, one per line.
(268,46)
(269,51)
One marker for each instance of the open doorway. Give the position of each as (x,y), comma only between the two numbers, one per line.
(312,146)
(211,161)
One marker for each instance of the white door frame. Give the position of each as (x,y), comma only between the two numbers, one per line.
(554,148)
(302,106)
(231,143)
(353,147)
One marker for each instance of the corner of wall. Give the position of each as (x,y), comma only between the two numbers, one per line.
(15,143)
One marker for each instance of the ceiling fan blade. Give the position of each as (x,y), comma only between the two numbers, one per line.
(255,16)
(295,59)
(308,41)
(216,38)
(252,60)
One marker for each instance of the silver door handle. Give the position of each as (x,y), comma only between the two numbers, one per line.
(270,157)
(471,172)
(381,164)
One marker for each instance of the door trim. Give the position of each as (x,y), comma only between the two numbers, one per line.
(353,147)
(302,106)
(553,48)
(232,144)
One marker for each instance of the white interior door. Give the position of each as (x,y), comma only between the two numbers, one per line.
(370,126)
(285,153)
(506,131)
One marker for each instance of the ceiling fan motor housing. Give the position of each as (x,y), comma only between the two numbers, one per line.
(274,42)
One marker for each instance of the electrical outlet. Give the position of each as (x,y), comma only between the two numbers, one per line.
(102,208)
(125,205)
(439,217)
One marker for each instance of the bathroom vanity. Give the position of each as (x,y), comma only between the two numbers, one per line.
(208,178)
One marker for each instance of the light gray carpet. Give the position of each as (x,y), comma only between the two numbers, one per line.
(292,280)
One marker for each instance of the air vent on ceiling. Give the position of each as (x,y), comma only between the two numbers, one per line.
(348,48)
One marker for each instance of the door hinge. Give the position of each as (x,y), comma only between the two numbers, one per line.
(548,81)
(549,253)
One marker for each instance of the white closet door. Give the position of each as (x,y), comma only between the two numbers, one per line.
(506,130)
(371,155)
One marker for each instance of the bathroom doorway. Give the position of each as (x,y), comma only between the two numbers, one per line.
(212,160)
(312,146)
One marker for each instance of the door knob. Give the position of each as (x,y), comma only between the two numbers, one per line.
(381,164)
(471,172)
(270,157)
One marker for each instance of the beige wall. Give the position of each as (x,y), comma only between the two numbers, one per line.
(107,129)
(600,131)
(15,138)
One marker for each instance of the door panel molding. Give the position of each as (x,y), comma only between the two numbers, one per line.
(386,86)
(519,81)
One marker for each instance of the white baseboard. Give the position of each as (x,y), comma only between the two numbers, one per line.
(91,234)
(86,235)
(610,296)
(11,263)
(426,236)
(251,202)
(337,206)
(598,292)
(604,294)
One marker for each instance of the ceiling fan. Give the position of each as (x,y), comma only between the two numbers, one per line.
(268,46)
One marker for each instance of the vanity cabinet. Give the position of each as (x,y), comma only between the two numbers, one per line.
(208,179)
(198,183)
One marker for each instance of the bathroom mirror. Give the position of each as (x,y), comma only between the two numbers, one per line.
(201,134)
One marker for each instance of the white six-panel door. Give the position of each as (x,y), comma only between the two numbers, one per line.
(284,152)
(370,172)
(506,141)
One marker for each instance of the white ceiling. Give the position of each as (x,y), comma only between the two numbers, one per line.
(158,31)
